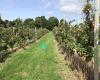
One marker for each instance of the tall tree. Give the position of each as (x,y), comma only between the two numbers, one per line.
(6,23)
(52,22)
(2,24)
(41,21)
(89,28)
(29,22)
(17,22)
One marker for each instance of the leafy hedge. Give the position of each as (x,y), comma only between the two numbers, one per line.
(12,37)
(75,39)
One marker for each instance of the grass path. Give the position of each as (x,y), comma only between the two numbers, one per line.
(41,61)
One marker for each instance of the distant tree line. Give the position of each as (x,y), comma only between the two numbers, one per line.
(39,22)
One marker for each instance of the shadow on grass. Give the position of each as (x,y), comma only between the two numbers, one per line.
(5,53)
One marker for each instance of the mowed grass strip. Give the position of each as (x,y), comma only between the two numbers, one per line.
(36,63)
(41,61)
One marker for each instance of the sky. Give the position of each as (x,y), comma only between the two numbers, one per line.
(68,9)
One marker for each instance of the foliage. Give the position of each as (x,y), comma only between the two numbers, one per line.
(26,61)
(13,37)
(52,22)
(29,23)
(1,22)
(41,22)
(88,11)
(8,37)
(74,38)
(17,23)
(99,33)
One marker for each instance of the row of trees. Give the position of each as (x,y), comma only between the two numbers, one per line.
(76,42)
(19,33)
(78,38)
(74,39)
(39,22)
(12,38)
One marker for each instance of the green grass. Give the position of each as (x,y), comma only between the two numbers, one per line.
(38,62)
(35,63)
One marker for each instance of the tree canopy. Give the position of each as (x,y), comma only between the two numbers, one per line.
(41,21)
(52,22)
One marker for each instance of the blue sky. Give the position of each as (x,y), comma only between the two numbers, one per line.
(70,9)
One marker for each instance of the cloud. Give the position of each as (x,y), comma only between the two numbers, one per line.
(47,5)
(50,12)
(69,6)
(44,0)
